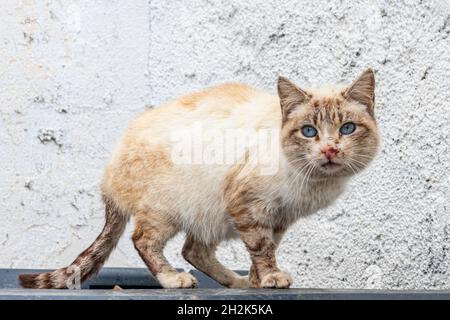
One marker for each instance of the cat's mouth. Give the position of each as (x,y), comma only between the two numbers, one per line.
(330,165)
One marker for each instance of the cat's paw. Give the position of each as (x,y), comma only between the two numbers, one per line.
(240,282)
(177,280)
(276,280)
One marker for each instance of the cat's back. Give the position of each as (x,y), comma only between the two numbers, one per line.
(146,148)
(225,106)
(219,98)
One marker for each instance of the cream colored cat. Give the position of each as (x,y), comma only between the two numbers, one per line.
(323,137)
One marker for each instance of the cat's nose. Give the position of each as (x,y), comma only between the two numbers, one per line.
(330,152)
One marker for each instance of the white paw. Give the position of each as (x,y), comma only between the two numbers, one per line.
(177,280)
(240,282)
(276,280)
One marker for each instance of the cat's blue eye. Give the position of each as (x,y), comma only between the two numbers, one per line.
(347,128)
(309,131)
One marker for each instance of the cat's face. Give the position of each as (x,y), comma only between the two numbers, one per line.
(330,132)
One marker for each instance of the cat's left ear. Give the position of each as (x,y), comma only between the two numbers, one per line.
(362,90)
(290,96)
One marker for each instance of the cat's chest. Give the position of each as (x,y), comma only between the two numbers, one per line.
(296,201)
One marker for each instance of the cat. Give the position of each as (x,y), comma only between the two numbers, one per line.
(323,137)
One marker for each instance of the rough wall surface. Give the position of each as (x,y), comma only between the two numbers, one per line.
(73,73)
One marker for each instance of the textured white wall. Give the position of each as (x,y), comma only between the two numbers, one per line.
(73,73)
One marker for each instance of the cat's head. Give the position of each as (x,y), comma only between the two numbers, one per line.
(330,131)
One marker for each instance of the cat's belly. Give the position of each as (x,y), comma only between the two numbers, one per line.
(215,224)
(199,208)
(211,226)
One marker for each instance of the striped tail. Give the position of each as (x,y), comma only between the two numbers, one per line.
(89,262)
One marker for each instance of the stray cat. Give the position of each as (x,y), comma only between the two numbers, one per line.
(325,136)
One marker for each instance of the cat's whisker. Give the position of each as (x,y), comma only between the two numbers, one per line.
(300,158)
(299,161)
(308,173)
(370,151)
(291,179)
(299,173)
(289,182)
(362,155)
(357,162)
(294,178)
(351,168)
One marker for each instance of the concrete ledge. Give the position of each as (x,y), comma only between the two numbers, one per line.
(138,284)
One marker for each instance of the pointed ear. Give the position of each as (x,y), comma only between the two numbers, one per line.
(362,90)
(290,96)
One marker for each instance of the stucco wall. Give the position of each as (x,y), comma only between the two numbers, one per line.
(72,74)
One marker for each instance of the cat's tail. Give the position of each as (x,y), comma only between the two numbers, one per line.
(89,262)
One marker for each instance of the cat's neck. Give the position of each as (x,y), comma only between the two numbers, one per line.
(298,177)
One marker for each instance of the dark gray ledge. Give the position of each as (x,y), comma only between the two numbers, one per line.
(138,284)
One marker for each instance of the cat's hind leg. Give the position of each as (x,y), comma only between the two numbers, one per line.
(150,236)
(203,258)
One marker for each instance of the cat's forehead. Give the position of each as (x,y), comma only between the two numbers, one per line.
(333,110)
(327,105)
(327,92)
(327,97)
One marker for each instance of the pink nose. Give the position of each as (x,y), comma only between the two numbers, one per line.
(330,152)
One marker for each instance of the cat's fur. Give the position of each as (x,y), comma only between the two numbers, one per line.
(212,203)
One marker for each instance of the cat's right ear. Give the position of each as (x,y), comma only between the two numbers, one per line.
(290,96)
(362,90)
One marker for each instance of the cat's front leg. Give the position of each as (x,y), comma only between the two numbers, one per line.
(254,223)
(261,244)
